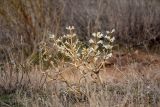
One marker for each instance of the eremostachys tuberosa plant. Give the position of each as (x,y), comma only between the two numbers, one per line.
(89,56)
(69,51)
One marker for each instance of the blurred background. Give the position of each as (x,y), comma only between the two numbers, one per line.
(24,23)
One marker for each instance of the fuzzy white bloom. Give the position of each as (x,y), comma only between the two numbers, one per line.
(91,49)
(73,34)
(107,32)
(66,43)
(94,34)
(113,30)
(112,39)
(58,40)
(100,42)
(108,46)
(52,36)
(107,37)
(109,55)
(68,36)
(99,35)
(70,28)
(64,36)
(98,52)
(91,41)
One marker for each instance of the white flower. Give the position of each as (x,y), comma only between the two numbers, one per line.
(108,46)
(66,43)
(113,30)
(100,35)
(107,37)
(98,52)
(73,34)
(91,41)
(70,28)
(64,36)
(67,36)
(52,36)
(94,34)
(112,39)
(91,49)
(107,32)
(109,55)
(58,40)
(100,42)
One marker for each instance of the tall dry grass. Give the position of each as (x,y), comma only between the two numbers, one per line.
(134,90)
(134,20)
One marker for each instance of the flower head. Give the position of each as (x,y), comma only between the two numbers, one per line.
(109,55)
(113,30)
(107,46)
(52,36)
(99,35)
(112,39)
(100,42)
(107,37)
(91,41)
(94,34)
(107,32)
(70,28)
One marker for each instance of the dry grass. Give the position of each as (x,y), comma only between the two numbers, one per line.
(129,80)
